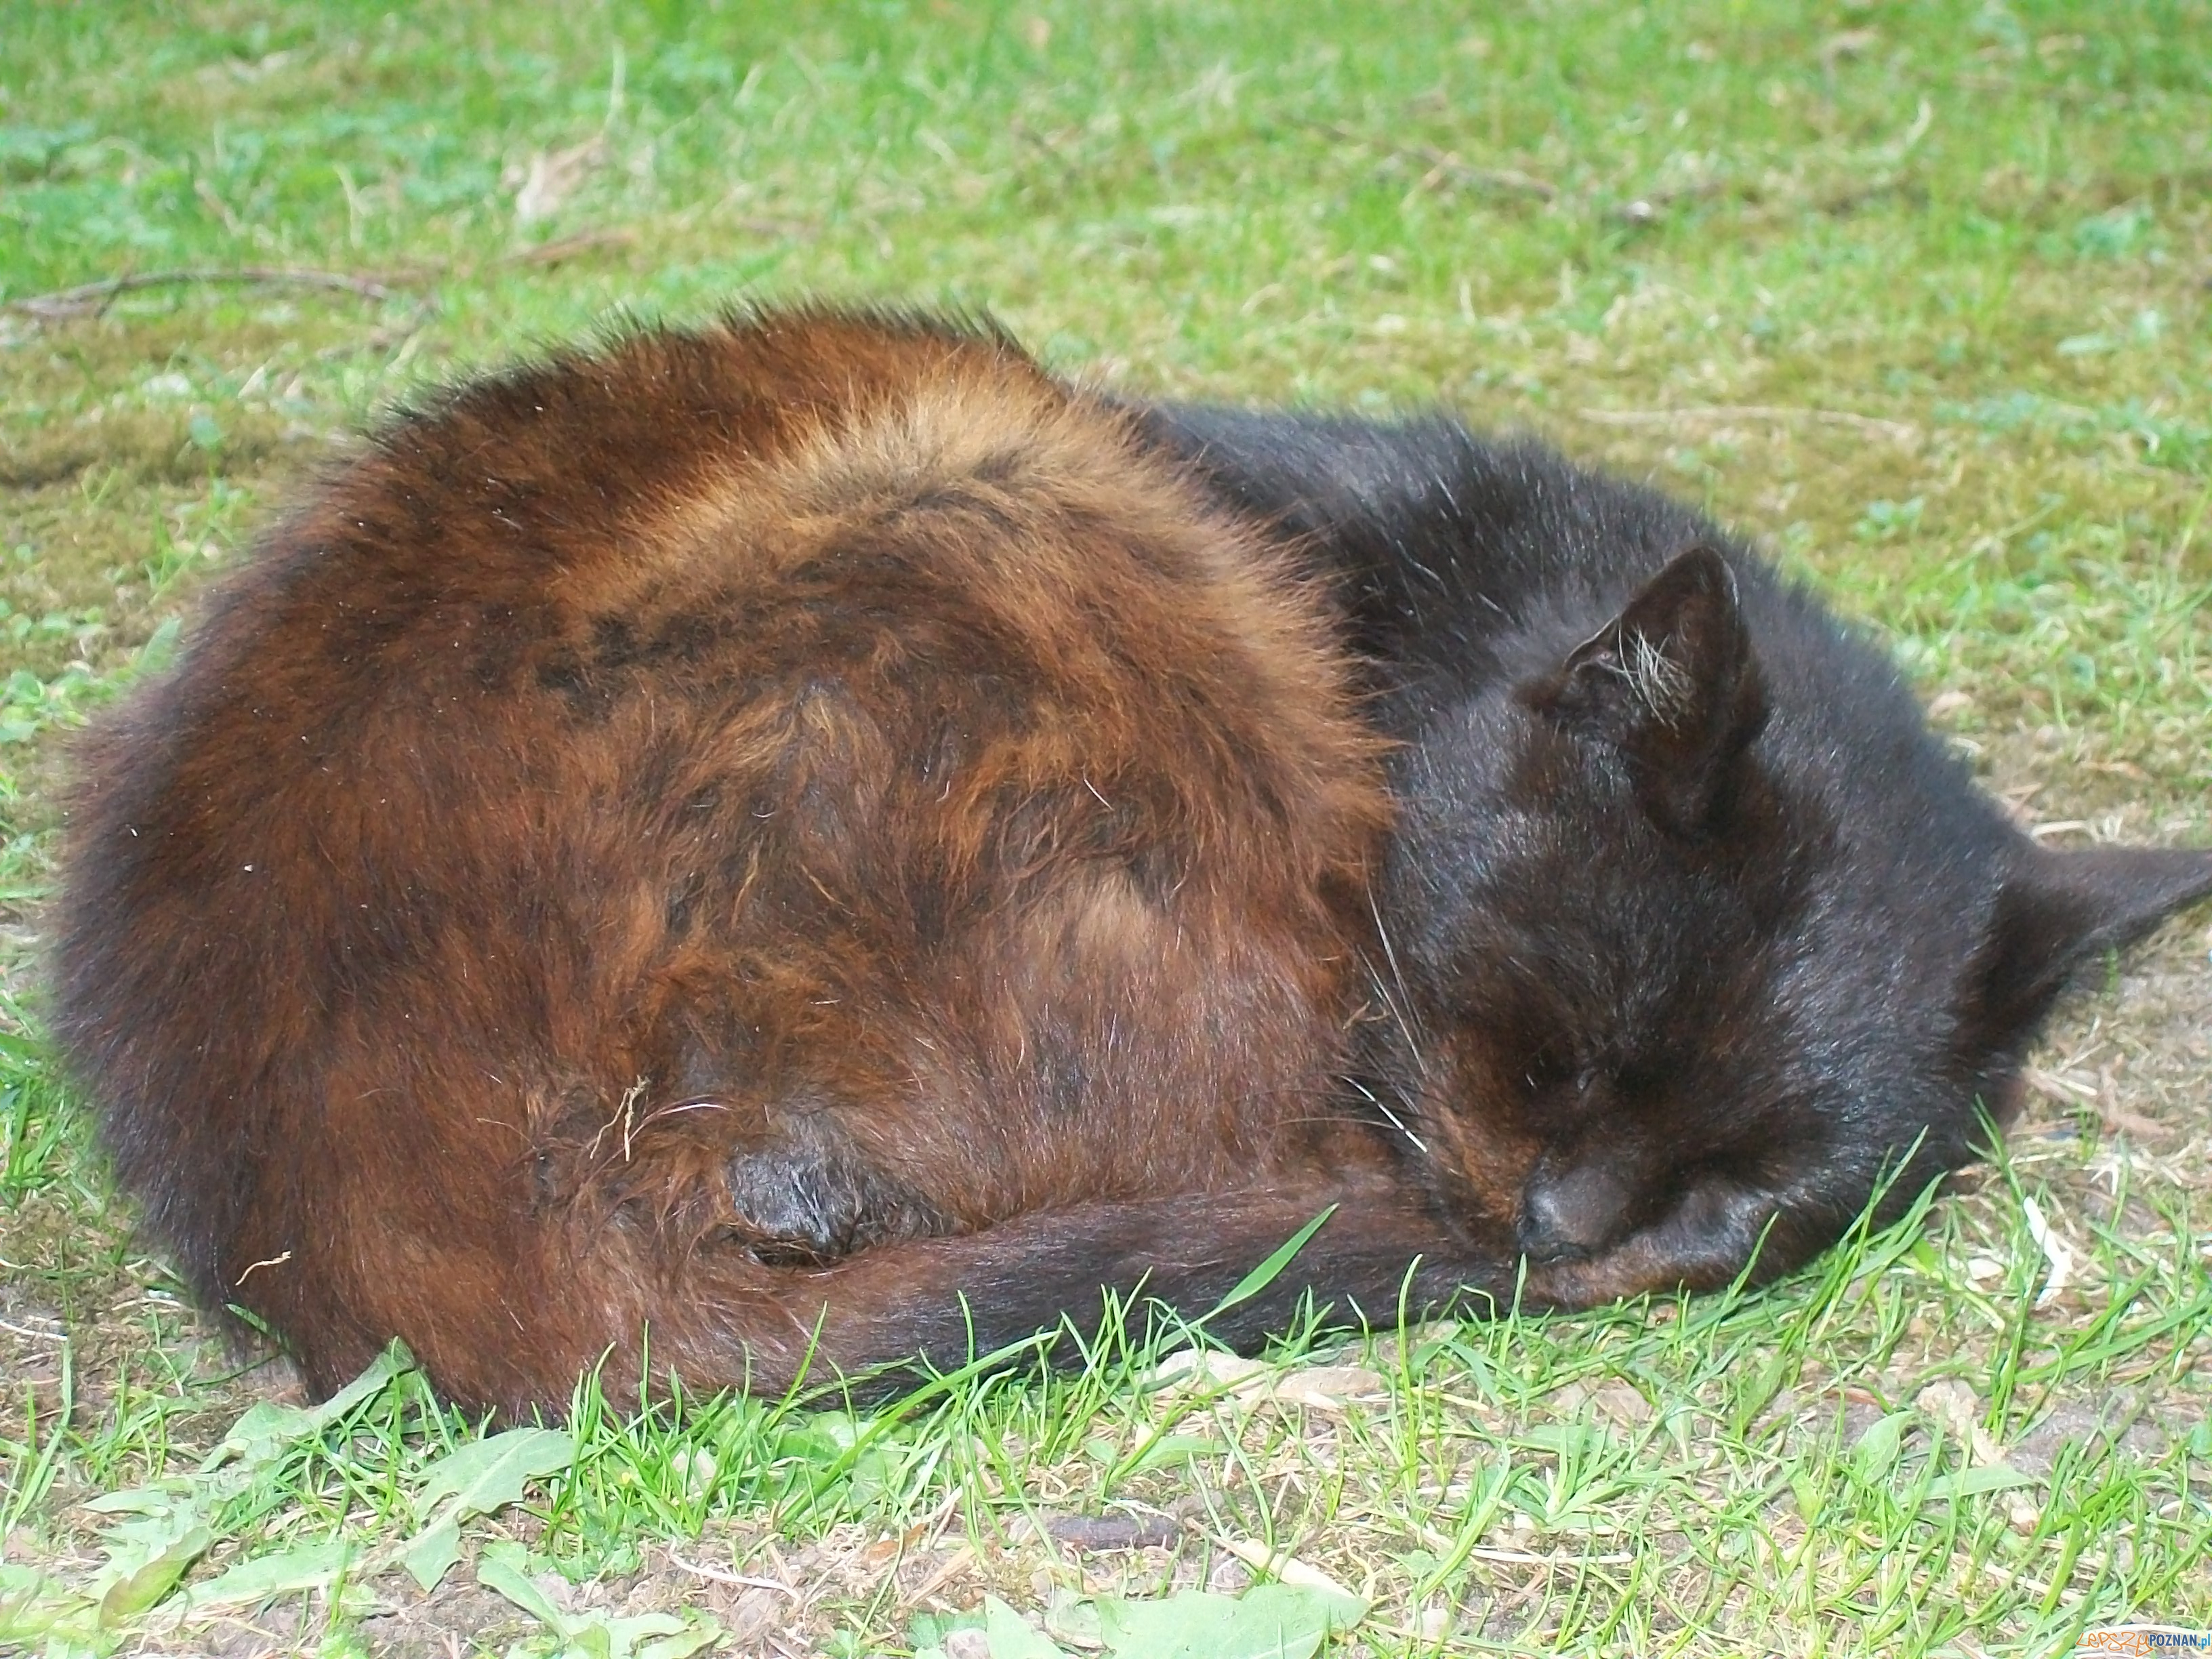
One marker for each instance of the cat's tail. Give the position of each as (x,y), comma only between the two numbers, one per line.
(880,1323)
(884,1319)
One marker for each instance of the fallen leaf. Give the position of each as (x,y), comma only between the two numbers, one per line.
(1955,1406)
(552,177)
(2056,1250)
(1328,1387)
(1322,1388)
(286,1572)
(1849,42)
(1010,1636)
(1287,1567)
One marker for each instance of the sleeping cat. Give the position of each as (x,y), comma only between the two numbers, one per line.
(1694,932)
(811,842)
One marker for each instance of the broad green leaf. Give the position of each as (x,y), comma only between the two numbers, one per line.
(161,646)
(927,1631)
(1876,1451)
(479,1477)
(267,1429)
(1805,1492)
(162,1498)
(490,1473)
(1010,1636)
(642,1636)
(1072,1621)
(1175,1449)
(1168,1449)
(601,1636)
(503,1568)
(500,1569)
(1268,1621)
(309,1567)
(141,1579)
(683,1643)
(1995,1477)
(34,1605)
(431,1556)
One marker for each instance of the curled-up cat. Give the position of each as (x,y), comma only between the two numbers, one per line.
(1694,933)
(660,821)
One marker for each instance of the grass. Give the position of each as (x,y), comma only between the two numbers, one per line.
(1917,292)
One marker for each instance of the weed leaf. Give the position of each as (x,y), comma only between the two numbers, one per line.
(499,1567)
(309,1567)
(475,1479)
(1995,1477)
(431,1556)
(1876,1451)
(1269,1621)
(503,1568)
(33,1604)
(161,646)
(1010,1636)
(268,1430)
(489,1475)
(680,1643)
(146,1559)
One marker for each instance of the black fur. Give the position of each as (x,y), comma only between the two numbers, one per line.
(1694,930)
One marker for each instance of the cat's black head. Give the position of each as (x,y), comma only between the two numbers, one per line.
(1696,936)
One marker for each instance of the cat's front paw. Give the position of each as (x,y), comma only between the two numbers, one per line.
(809,1196)
(1710,1235)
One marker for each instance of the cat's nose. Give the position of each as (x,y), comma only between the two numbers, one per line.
(1567,1214)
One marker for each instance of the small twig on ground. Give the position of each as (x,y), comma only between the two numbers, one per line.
(569,247)
(716,1574)
(1530,1557)
(400,340)
(1115,1532)
(1070,175)
(963,1559)
(97,296)
(1442,164)
(1649,208)
(1903,432)
(217,206)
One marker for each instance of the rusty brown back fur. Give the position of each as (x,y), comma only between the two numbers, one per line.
(823,732)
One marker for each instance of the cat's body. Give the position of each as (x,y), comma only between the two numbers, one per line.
(821,738)
(813,838)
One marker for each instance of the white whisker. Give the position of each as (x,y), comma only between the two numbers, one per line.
(1396,1123)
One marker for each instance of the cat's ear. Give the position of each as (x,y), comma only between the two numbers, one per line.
(2058,911)
(1672,683)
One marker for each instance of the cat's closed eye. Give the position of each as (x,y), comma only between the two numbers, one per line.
(1553,1070)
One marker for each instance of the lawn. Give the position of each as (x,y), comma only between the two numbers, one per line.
(1917,293)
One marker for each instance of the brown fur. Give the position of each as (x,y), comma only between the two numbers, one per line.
(820,731)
